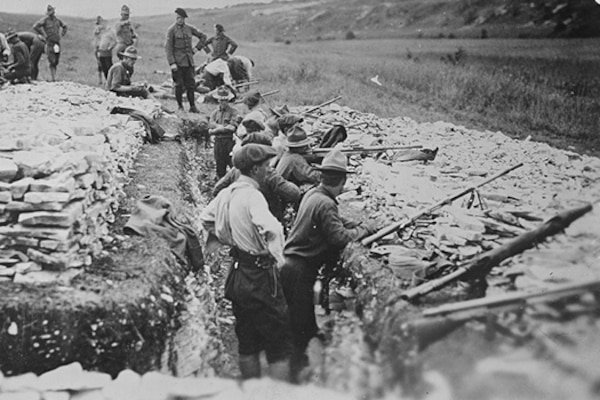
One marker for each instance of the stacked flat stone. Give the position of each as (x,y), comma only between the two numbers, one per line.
(63,161)
(71,381)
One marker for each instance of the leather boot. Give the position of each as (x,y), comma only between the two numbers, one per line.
(249,366)
(280,370)
(192,100)
(298,362)
(179,97)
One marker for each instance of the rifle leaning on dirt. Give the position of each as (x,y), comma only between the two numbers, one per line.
(360,150)
(440,321)
(401,225)
(315,108)
(483,263)
(269,93)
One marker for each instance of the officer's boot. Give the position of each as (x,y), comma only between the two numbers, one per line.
(249,366)
(192,100)
(179,97)
(280,370)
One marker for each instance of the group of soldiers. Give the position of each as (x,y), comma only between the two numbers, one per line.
(276,261)
(26,48)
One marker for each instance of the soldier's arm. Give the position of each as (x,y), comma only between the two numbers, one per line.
(169,48)
(63,26)
(232,46)
(38,27)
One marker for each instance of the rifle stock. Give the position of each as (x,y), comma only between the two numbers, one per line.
(484,262)
(358,150)
(401,225)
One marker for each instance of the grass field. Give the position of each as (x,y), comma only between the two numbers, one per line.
(546,89)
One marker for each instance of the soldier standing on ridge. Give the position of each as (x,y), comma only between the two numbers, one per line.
(99,30)
(51,29)
(105,41)
(35,44)
(221,43)
(180,56)
(126,36)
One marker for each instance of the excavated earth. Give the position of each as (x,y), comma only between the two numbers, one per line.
(135,307)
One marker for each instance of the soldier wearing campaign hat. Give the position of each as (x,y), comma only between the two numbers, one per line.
(20,69)
(51,29)
(239,217)
(316,238)
(292,165)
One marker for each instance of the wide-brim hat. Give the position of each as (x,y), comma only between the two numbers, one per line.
(297,137)
(252,124)
(181,12)
(50,8)
(130,52)
(252,98)
(10,33)
(334,161)
(251,154)
(124,9)
(223,93)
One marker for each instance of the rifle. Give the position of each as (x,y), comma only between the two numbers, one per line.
(239,85)
(440,321)
(270,93)
(484,262)
(322,105)
(359,150)
(401,225)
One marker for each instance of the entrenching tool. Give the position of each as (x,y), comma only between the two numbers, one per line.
(397,226)
(483,263)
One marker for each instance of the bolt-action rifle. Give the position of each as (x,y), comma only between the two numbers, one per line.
(360,150)
(398,226)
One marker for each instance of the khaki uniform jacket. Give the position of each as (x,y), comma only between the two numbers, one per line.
(51,28)
(179,44)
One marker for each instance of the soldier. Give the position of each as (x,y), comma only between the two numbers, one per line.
(126,36)
(119,76)
(19,69)
(180,56)
(105,40)
(35,44)
(222,44)
(223,123)
(239,217)
(292,165)
(51,29)
(317,236)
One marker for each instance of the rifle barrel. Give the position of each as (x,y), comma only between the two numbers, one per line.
(270,93)
(403,224)
(322,105)
(367,149)
(237,85)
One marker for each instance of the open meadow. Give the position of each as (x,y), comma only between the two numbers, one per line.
(544,88)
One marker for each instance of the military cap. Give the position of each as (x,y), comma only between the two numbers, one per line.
(181,12)
(251,155)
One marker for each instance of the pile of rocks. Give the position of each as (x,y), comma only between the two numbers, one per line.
(72,382)
(63,161)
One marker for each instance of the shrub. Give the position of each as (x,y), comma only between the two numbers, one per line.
(350,35)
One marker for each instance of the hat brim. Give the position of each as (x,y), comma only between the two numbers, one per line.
(136,57)
(334,169)
(217,97)
(302,143)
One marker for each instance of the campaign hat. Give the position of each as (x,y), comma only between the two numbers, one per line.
(130,52)
(297,137)
(223,93)
(10,33)
(334,161)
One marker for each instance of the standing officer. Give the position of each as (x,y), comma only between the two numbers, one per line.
(51,29)
(126,36)
(239,217)
(180,56)
(222,44)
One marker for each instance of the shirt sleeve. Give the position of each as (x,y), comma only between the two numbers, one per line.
(63,27)
(20,59)
(169,47)
(117,78)
(232,45)
(267,225)
(201,38)
(304,173)
(285,189)
(38,27)
(333,227)
(208,216)
(224,182)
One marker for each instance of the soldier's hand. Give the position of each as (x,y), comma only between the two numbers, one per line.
(370,226)
(173,67)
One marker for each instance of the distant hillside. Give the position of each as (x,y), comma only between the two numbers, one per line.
(346,19)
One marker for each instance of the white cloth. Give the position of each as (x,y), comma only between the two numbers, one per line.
(4,47)
(239,216)
(217,67)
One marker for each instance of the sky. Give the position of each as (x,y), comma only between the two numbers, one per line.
(111,8)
